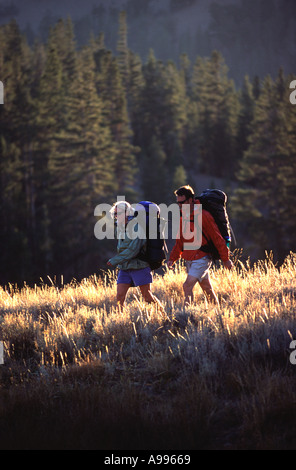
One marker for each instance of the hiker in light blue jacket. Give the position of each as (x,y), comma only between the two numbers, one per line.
(133,271)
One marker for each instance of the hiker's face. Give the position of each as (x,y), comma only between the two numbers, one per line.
(120,215)
(183,200)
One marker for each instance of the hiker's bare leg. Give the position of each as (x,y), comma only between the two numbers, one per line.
(207,288)
(148,296)
(188,288)
(146,293)
(121,293)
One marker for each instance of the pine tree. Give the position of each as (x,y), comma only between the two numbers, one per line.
(245,117)
(180,177)
(135,87)
(217,109)
(151,103)
(56,70)
(49,119)
(122,49)
(82,169)
(16,152)
(162,117)
(265,201)
(155,178)
(175,114)
(110,89)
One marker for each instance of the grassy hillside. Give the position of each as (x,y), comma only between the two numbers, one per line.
(79,375)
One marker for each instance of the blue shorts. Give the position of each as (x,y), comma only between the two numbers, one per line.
(135,277)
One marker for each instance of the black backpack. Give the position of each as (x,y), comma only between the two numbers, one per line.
(156,250)
(214,201)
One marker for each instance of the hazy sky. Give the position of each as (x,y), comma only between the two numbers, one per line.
(255,40)
(32,11)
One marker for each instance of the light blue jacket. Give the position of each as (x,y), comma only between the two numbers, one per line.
(127,251)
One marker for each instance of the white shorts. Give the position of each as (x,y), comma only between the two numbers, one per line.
(199,268)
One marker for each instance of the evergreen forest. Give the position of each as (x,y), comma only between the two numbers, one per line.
(81,125)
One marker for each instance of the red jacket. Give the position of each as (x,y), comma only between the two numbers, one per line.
(211,232)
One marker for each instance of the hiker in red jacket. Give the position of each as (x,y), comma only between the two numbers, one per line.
(198,262)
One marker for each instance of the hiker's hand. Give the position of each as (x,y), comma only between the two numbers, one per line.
(170,264)
(228,264)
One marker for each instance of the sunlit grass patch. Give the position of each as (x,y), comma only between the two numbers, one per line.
(218,374)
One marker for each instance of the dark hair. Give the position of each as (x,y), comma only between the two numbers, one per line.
(186,191)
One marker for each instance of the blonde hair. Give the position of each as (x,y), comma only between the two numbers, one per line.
(123,206)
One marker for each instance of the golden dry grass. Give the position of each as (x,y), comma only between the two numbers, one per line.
(80,375)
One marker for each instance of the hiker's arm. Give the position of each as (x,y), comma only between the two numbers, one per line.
(176,251)
(131,251)
(228,264)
